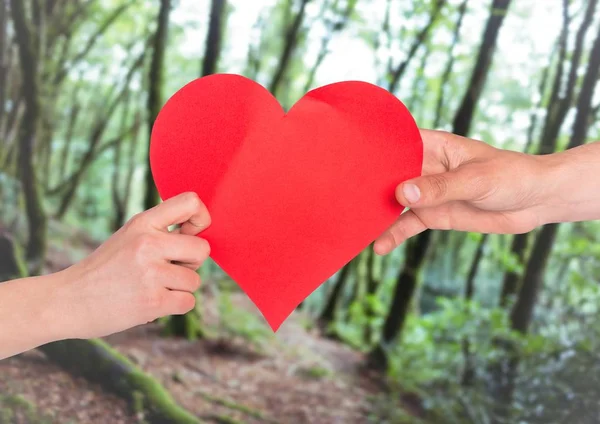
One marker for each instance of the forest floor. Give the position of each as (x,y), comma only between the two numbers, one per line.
(296,376)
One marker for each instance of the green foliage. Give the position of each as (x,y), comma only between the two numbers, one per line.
(314,373)
(16,409)
(235,322)
(557,361)
(230,404)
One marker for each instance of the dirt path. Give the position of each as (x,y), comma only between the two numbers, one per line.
(296,376)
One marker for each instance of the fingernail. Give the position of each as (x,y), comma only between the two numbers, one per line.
(411,192)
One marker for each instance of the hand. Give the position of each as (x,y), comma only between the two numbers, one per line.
(141,273)
(468,185)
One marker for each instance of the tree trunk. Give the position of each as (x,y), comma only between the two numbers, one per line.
(406,285)
(373,283)
(74,114)
(213,37)
(4,54)
(421,37)
(523,310)
(36,217)
(416,250)
(189,325)
(119,201)
(328,314)
(449,65)
(291,39)
(70,186)
(469,368)
(562,98)
(333,27)
(419,85)
(522,313)
(155,83)
(12,264)
(541,92)
(510,284)
(99,363)
(131,165)
(464,117)
(555,115)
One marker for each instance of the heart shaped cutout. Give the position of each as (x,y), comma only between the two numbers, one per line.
(293,196)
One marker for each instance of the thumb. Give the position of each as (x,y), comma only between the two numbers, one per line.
(437,189)
(186,209)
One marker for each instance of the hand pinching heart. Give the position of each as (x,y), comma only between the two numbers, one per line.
(293,196)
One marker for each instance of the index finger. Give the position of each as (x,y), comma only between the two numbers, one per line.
(185,208)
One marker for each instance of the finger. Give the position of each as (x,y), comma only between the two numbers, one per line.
(437,189)
(178,303)
(180,278)
(187,250)
(407,226)
(186,208)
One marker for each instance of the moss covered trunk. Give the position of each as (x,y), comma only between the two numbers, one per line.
(155,82)
(190,324)
(36,217)
(12,264)
(98,362)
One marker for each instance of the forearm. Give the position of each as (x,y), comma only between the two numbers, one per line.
(571,185)
(28,314)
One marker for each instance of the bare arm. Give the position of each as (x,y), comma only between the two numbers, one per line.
(129,280)
(572,185)
(468,185)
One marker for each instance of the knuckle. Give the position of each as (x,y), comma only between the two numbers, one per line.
(398,234)
(439,186)
(153,299)
(192,199)
(137,220)
(143,245)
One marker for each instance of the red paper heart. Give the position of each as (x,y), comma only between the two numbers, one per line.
(293,196)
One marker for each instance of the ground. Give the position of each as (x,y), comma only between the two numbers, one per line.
(295,376)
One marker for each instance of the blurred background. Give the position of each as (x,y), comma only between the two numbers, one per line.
(450,328)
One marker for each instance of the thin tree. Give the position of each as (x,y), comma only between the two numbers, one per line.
(416,249)
(189,325)
(327,315)
(214,37)
(155,87)
(522,313)
(395,74)
(558,105)
(333,26)
(34,208)
(94,148)
(449,65)
(292,36)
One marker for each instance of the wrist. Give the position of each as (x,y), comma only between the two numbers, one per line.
(568,187)
(53,313)
(548,177)
(28,311)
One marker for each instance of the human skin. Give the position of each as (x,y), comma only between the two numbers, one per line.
(143,272)
(468,185)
